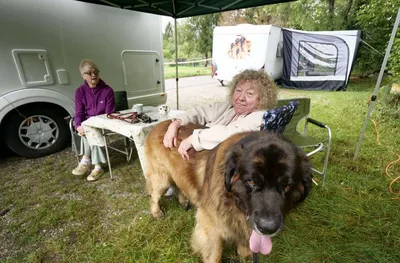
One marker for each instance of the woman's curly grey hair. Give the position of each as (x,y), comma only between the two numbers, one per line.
(264,86)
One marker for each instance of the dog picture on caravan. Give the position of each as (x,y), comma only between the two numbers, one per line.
(240,48)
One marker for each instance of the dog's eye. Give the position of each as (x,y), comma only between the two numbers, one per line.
(251,182)
(287,188)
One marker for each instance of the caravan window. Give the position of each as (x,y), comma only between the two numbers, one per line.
(317,59)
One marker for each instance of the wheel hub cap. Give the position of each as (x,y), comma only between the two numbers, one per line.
(38,132)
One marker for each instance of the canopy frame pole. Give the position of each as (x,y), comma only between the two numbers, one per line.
(378,83)
(176,65)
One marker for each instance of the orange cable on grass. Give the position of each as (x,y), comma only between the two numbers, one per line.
(377,133)
(390,186)
(390,164)
(395,179)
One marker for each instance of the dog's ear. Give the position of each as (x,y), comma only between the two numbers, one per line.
(231,166)
(306,176)
(303,179)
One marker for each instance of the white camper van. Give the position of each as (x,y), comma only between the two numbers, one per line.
(246,46)
(42,43)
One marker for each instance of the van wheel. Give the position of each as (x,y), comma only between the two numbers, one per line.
(41,132)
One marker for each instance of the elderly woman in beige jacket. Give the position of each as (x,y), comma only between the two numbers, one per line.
(251,94)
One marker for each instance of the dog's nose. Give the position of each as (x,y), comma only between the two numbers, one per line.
(270,225)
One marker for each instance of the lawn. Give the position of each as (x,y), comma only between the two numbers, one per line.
(49,215)
(186,71)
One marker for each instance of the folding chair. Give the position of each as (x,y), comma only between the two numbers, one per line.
(121,103)
(309,144)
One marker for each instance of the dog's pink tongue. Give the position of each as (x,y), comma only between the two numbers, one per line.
(260,243)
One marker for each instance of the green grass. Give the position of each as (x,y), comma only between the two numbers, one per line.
(57,217)
(186,71)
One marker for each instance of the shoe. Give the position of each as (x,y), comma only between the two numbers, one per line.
(82,169)
(94,175)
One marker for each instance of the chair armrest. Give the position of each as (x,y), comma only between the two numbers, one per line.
(317,123)
(322,125)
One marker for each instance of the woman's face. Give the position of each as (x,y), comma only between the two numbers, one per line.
(91,75)
(245,97)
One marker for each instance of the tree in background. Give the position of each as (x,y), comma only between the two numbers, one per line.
(376,19)
(168,42)
(194,37)
(198,32)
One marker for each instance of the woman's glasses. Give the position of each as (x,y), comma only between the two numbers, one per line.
(90,73)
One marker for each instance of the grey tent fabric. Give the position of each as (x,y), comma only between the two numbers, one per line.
(180,9)
(318,60)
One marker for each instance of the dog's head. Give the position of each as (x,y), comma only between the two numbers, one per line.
(267,176)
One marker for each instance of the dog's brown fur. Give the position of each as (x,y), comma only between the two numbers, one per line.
(247,182)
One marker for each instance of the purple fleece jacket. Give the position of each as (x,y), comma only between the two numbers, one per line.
(93,101)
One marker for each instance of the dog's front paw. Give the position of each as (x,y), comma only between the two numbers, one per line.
(183,200)
(244,251)
(157,214)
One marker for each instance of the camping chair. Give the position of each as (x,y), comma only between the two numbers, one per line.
(121,103)
(309,144)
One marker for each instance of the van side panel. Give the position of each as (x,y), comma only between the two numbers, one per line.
(42,44)
(70,31)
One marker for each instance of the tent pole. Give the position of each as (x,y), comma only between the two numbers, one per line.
(378,83)
(176,65)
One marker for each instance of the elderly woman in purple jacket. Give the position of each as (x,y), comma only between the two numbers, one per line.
(92,98)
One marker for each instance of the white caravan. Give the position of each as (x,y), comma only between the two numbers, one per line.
(42,43)
(246,46)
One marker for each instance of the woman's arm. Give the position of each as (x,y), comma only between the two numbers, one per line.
(204,114)
(110,100)
(198,115)
(209,138)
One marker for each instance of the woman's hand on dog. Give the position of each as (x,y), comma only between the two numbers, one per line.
(170,137)
(185,146)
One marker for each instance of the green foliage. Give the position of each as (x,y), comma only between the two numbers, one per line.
(394,60)
(376,20)
(169,49)
(199,32)
(186,38)
(186,71)
(389,108)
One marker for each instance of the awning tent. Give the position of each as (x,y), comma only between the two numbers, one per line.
(320,60)
(182,9)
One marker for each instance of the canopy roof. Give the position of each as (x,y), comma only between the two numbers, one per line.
(180,9)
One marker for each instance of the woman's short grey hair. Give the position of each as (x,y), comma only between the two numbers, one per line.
(87,62)
(264,86)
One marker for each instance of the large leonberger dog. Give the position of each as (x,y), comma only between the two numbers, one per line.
(242,188)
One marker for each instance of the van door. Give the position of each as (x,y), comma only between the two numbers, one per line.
(143,77)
